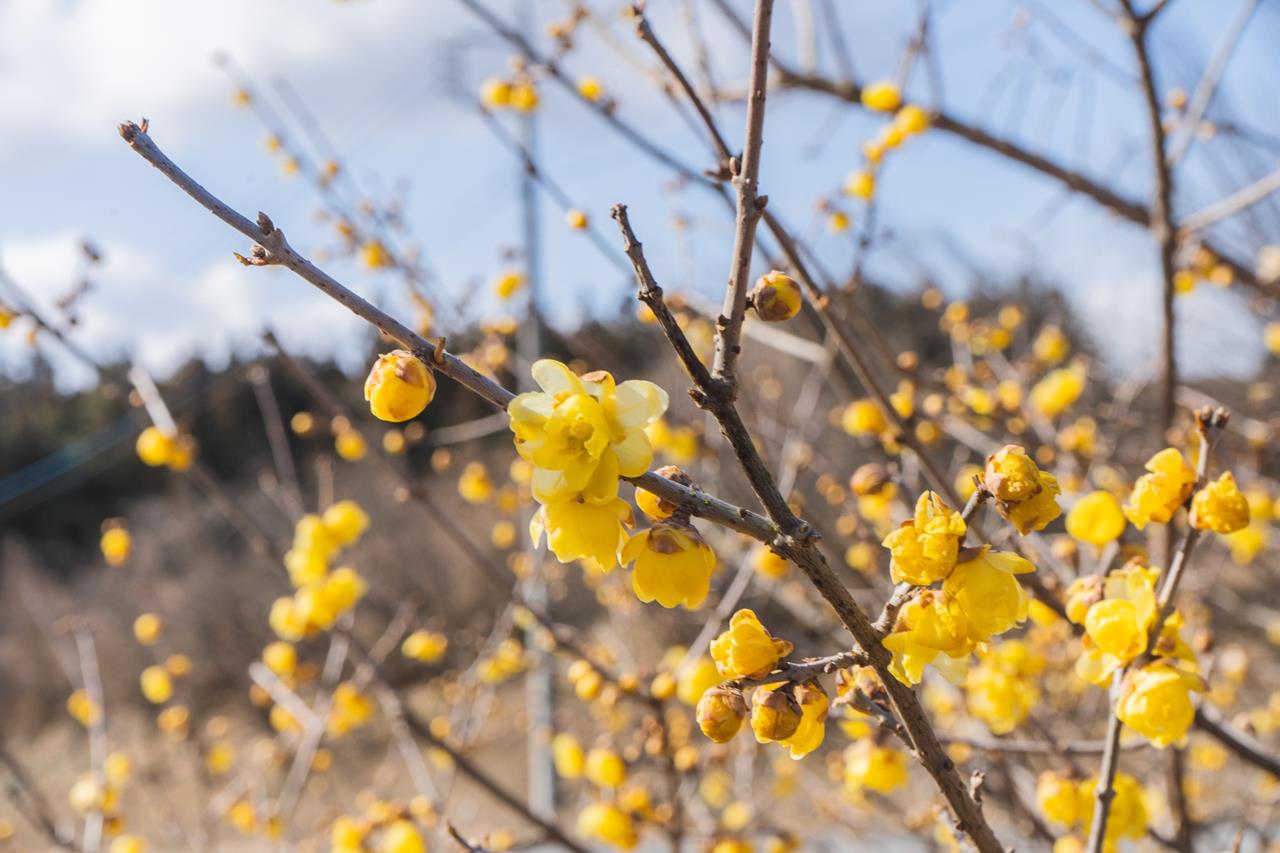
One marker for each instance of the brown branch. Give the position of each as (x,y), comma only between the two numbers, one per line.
(746,180)
(1161,218)
(796,541)
(273,249)
(1207,421)
(647,35)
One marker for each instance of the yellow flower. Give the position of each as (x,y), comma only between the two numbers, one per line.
(156,685)
(922,632)
(474,485)
(924,549)
(508,283)
(426,646)
(568,756)
(401,836)
(349,710)
(83,709)
(911,120)
(1001,690)
(720,713)
(281,658)
(576,219)
(1096,518)
(1128,817)
(345,522)
(876,768)
(1055,393)
(128,844)
(746,649)
(882,96)
(775,714)
(1011,475)
(983,598)
(582,433)
(375,256)
(775,297)
(1036,512)
(605,768)
(1158,494)
(1220,506)
(524,96)
(860,184)
(608,823)
(116,545)
(808,736)
(582,530)
(154,447)
(1116,628)
(1156,702)
(770,564)
(863,417)
(1271,337)
(1247,543)
(1058,797)
(696,679)
(495,94)
(350,445)
(147,628)
(673,565)
(399,386)
(590,88)
(1050,346)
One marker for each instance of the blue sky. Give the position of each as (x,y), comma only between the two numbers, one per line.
(376,74)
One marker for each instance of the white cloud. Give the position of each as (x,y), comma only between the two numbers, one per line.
(140,308)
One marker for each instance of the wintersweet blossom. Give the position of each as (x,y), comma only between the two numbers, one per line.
(925,547)
(1158,493)
(1155,701)
(746,649)
(1117,625)
(673,564)
(1220,506)
(582,433)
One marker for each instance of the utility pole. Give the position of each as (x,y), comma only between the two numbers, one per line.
(539,681)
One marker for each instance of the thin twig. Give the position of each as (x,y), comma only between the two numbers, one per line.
(746,180)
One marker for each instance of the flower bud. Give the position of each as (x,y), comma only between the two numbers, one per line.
(776,297)
(1011,474)
(720,713)
(775,714)
(399,386)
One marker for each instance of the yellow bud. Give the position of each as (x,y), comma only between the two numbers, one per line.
(881,96)
(146,628)
(720,713)
(775,714)
(775,297)
(399,386)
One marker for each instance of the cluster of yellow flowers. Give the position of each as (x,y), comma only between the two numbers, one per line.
(1002,689)
(883,96)
(1118,615)
(783,712)
(1058,389)
(581,434)
(155,447)
(980,596)
(1068,802)
(384,828)
(520,94)
(321,595)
